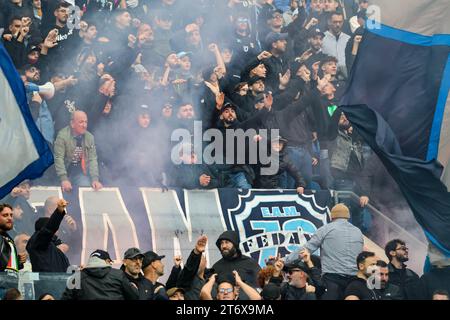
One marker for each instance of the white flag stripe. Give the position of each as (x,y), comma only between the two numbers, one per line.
(425,17)
(17,149)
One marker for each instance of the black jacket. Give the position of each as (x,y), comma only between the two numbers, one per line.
(187,276)
(435,279)
(406,279)
(145,287)
(42,247)
(246,267)
(285,165)
(5,251)
(187,176)
(102,283)
(289,292)
(391,292)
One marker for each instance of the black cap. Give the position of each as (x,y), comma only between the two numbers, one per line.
(34,48)
(297,264)
(279,138)
(252,80)
(259,98)
(275,36)
(132,253)
(170,292)
(142,109)
(315,32)
(149,257)
(228,105)
(271,292)
(104,255)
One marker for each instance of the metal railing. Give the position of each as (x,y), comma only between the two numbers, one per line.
(384,229)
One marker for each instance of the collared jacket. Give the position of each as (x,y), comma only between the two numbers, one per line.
(64,148)
(345,145)
(5,252)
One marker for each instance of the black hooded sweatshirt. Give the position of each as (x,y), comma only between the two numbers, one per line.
(246,267)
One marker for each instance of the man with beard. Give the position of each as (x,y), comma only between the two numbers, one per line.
(358,288)
(397,253)
(347,168)
(276,65)
(387,290)
(38,106)
(66,38)
(233,260)
(298,287)
(9,258)
(132,264)
(314,52)
(335,41)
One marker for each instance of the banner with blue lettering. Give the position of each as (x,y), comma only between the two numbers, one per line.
(169,222)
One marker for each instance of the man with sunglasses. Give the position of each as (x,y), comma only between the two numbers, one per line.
(397,253)
(297,287)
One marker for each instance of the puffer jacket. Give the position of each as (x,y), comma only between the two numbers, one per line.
(99,281)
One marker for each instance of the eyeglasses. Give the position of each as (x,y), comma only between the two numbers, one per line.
(226,290)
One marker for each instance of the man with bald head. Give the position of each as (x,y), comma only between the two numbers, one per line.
(76,156)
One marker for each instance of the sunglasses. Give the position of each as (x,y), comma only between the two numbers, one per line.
(226,290)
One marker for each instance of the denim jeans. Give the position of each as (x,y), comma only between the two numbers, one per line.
(239,180)
(80,180)
(359,217)
(325,170)
(302,160)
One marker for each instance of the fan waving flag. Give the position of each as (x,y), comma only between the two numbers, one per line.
(24,153)
(398,99)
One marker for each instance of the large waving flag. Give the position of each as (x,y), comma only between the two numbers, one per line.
(398,99)
(24,154)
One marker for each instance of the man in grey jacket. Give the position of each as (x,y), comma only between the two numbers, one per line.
(340,243)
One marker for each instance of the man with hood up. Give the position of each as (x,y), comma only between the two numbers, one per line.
(233,260)
(99,281)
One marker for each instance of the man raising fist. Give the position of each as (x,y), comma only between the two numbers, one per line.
(45,256)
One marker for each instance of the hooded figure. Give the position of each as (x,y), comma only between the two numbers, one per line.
(228,244)
(99,281)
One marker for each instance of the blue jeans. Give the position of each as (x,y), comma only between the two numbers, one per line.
(302,160)
(80,180)
(359,217)
(239,180)
(325,170)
